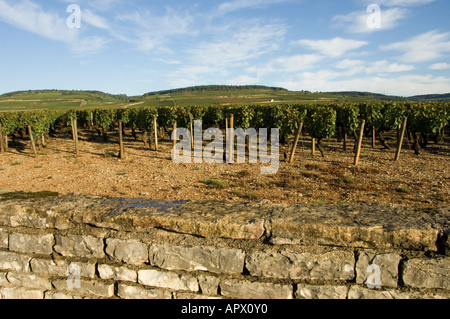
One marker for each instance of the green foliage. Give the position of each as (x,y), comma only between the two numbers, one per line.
(321,122)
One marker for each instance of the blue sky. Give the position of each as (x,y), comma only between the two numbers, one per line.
(138,46)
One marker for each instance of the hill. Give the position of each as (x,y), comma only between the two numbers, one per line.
(196,95)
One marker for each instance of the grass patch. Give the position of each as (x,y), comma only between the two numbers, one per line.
(39,166)
(16,163)
(121,173)
(402,189)
(348,180)
(216,183)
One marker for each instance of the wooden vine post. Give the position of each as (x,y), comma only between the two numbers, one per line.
(75,135)
(121,148)
(33,144)
(231,140)
(297,138)
(360,138)
(313,146)
(400,140)
(174,135)
(192,132)
(155,129)
(2,141)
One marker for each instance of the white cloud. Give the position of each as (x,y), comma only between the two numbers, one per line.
(234,5)
(286,64)
(356,22)
(333,48)
(440,66)
(28,16)
(352,67)
(151,31)
(95,20)
(408,85)
(423,47)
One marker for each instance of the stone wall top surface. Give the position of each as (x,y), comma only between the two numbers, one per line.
(364,226)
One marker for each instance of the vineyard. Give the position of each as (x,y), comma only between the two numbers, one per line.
(421,128)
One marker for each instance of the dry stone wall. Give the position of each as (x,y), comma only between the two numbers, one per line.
(96,247)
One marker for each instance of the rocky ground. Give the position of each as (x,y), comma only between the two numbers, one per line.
(418,181)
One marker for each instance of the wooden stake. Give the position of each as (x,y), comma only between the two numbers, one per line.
(33,145)
(297,138)
(121,149)
(155,129)
(373,137)
(192,134)
(175,137)
(400,140)
(360,138)
(75,135)
(313,146)
(231,140)
(2,141)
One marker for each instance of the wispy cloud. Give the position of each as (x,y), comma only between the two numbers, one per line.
(440,66)
(333,47)
(356,22)
(228,7)
(423,47)
(29,16)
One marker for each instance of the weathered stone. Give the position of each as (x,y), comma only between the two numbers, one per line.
(117,273)
(3,238)
(357,292)
(209,285)
(161,279)
(217,260)
(129,251)
(427,273)
(193,296)
(134,292)
(20,293)
(79,246)
(97,288)
(306,265)
(50,267)
(59,296)
(36,244)
(29,281)
(364,226)
(387,263)
(321,292)
(233,288)
(14,261)
(3,281)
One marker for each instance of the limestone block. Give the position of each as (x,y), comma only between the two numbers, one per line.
(306,265)
(135,292)
(37,244)
(117,273)
(427,273)
(321,292)
(388,266)
(217,260)
(233,288)
(129,251)
(79,246)
(14,261)
(161,279)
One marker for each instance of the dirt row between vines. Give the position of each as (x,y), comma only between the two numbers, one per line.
(419,181)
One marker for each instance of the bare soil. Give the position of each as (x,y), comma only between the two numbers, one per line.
(418,181)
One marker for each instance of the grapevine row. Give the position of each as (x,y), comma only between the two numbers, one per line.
(426,121)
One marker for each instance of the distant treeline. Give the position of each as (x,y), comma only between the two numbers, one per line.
(97,94)
(207,88)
